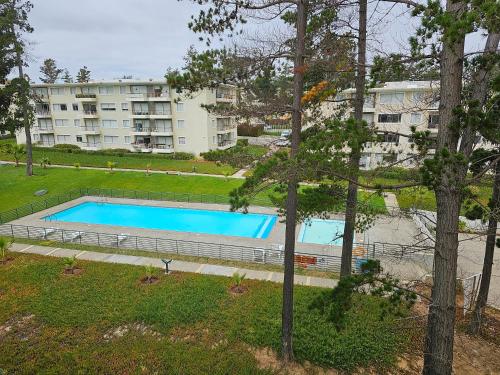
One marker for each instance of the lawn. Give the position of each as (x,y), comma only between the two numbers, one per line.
(127,161)
(16,189)
(106,321)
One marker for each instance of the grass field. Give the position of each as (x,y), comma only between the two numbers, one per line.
(106,321)
(17,189)
(127,161)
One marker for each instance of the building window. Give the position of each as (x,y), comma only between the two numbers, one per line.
(110,139)
(392,98)
(388,138)
(76,122)
(108,107)
(62,122)
(72,90)
(415,118)
(370,101)
(88,90)
(389,117)
(433,122)
(123,89)
(182,140)
(180,124)
(44,123)
(60,107)
(109,124)
(106,90)
(63,139)
(57,91)
(127,139)
(126,123)
(124,106)
(180,107)
(79,138)
(390,158)
(418,97)
(75,106)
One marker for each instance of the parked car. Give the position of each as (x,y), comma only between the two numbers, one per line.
(285,134)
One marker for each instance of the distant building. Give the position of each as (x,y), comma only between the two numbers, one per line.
(396,107)
(142,116)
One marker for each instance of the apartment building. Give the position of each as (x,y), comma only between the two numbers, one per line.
(142,116)
(396,107)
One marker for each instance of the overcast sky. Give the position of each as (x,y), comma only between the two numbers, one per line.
(140,37)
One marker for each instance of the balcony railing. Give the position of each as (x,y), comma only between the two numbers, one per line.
(162,130)
(43,112)
(91,144)
(161,113)
(86,96)
(90,128)
(140,112)
(157,94)
(46,143)
(44,128)
(225,143)
(142,130)
(163,146)
(91,112)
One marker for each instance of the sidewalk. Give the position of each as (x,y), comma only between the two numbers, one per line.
(135,170)
(175,265)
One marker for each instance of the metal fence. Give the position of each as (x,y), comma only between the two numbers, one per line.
(164,246)
(52,201)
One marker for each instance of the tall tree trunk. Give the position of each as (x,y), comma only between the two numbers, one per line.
(438,353)
(27,125)
(489,252)
(291,204)
(352,189)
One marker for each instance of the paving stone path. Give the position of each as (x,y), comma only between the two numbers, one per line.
(175,265)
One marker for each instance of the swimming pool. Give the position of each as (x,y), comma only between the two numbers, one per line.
(166,218)
(323,232)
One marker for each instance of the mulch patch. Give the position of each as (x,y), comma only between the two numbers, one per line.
(236,290)
(149,280)
(73,271)
(6,260)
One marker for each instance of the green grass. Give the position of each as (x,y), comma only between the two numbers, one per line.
(127,161)
(192,323)
(17,189)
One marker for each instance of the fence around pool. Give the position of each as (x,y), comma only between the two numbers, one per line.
(158,245)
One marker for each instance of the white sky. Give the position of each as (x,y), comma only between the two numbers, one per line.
(144,37)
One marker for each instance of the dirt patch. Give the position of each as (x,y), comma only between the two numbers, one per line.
(22,327)
(6,261)
(138,328)
(198,335)
(269,360)
(73,271)
(149,280)
(238,289)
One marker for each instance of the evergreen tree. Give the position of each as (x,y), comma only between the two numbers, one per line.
(83,75)
(50,71)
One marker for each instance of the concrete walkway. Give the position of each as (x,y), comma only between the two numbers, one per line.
(240,173)
(391,202)
(176,265)
(135,170)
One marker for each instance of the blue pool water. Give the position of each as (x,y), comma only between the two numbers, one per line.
(175,219)
(323,232)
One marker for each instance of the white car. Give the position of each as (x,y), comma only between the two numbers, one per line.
(285,133)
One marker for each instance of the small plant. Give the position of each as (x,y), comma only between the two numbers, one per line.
(148,169)
(238,286)
(44,162)
(4,246)
(150,271)
(111,165)
(16,151)
(70,264)
(77,166)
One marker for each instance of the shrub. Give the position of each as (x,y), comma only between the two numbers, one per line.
(44,162)
(237,157)
(238,279)
(111,165)
(4,246)
(242,142)
(250,130)
(115,151)
(76,165)
(70,264)
(65,146)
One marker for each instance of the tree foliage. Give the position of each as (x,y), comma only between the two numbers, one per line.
(83,75)
(50,71)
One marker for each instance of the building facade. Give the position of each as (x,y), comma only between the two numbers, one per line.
(393,110)
(141,116)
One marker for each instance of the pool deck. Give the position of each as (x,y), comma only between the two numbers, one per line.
(276,236)
(176,265)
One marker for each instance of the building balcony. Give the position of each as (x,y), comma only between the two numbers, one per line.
(162,131)
(224,145)
(158,96)
(90,114)
(43,114)
(160,114)
(224,97)
(141,131)
(44,130)
(91,146)
(142,147)
(163,148)
(86,98)
(46,143)
(90,130)
(140,114)
(225,128)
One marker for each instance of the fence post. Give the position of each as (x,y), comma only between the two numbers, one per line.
(28,231)
(31,205)
(62,235)
(98,240)
(12,230)
(156,243)
(17,214)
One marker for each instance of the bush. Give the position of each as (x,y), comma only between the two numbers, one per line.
(248,130)
(399,173)
(65,146)
(242,142)
(238,156)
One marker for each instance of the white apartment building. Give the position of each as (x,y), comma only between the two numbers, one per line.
(396,107)
(142,116)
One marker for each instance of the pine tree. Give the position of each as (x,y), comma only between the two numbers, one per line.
(67,77)
(50,71)
(83,75)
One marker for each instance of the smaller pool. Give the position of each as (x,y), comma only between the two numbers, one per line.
(323,232)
